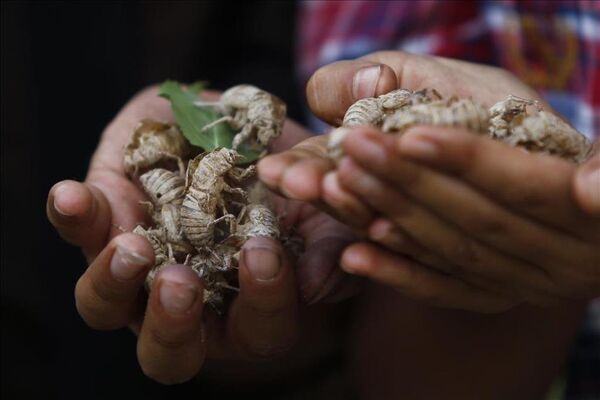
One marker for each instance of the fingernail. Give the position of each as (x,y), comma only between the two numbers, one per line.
(177,298)
(418,147)
(126,264)
(58,192)
(263,263)
(365,82)
(380,229)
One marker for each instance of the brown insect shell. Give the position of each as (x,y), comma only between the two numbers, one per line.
(510,111)
(454,112)
(162,186)
(153,144)
(238,97)
(209,167)
(192,166)
(170,214)
(547,133)
(204,193)
(157,240)
(395,99)
(259,220)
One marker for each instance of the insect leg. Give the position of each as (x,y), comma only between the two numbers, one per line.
(236,190)
(239,174)
(226,286)
(216,122)
(243,135)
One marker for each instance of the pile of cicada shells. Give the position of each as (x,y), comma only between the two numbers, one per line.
(204,206)
(514,120)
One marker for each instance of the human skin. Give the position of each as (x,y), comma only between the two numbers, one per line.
(490,226)
(476,354)
(176,336)
(466,331)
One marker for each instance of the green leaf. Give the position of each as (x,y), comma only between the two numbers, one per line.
(191,119)
(250,155)
(197,87)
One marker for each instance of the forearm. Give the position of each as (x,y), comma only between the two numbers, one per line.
(402,349)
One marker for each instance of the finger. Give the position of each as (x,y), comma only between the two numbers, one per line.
(523,184)
(587,185)
(440,237)
(384,232)
(419,283)
(80,214)
(297,173)
(318,272)
(330,90)
(350,209)
(464,207)
(334,87)
(263,319)
(171,345)
(109,295)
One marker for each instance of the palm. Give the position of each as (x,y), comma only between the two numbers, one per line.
(317,266)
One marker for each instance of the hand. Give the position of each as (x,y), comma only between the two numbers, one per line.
(173,341)
(330,91)
(503,219)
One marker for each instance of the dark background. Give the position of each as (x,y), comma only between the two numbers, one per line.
(67,68)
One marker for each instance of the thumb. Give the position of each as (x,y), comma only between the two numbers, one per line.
(81,215)
(587,183)
(334,87)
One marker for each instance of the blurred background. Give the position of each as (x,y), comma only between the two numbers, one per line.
(67,68)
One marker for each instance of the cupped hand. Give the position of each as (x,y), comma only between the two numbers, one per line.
(365,193)
(176,334)
(503,220)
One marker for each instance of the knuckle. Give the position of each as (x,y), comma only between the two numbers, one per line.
(464,158)
(411,176)
(487,223)
(99,313)
(465,252)
(109,293)
(168,341)
(268,308)
(416,286)
(531,196)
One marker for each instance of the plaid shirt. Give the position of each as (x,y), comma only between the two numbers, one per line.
(551,45)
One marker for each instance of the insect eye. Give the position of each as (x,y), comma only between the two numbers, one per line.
(158,195)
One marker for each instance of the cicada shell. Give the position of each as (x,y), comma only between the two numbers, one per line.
(257,220)
(372,111)
(204,196)
(154,144)
(545,132)
(463,113)
(510,111)
(163,186)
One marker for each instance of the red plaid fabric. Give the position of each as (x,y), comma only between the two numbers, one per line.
(551,45)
